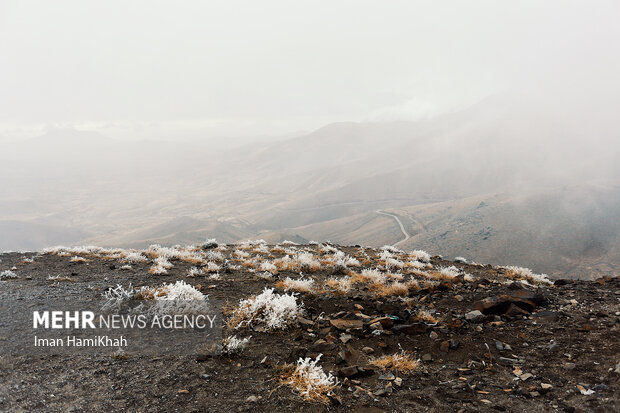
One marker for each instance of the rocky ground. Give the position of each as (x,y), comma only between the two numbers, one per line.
(485,340)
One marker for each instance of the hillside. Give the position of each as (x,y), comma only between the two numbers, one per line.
(516,155)
(395,332)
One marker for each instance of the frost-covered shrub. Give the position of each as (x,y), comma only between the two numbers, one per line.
(269,267)
(369,276)
(233,345)
(525,274)
(419,255)
(161,265)
(193,272)
(300,285)
(310,380)
(134,257)
(7,275)
(271,310)
(340,285)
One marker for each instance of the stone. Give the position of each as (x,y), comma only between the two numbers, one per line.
(499,345)
(386,322)
(387,376)
(368,350)
(252,399)
(376,326)
(454,344)
(411,329)
(349,371)
(474,316)
(569,366)
(500,304)
(342,324)
(444,346)
(427,357)
(526,376)
(433,335)
(398,381)
(345,338)
(344,356)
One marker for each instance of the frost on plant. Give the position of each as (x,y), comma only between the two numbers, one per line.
(7,275)
(161,266)
(271,310)
(525,274)
(300,285)
(309,379)
(233,345)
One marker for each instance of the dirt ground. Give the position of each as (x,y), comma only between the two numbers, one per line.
(560,354)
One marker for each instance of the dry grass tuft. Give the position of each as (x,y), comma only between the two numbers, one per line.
(394,289)
(401,362)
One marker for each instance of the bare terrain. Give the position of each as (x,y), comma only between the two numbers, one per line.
(481,338)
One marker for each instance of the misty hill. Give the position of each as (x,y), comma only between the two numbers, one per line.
(513,154)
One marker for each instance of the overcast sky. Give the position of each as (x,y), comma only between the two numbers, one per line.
(165,69)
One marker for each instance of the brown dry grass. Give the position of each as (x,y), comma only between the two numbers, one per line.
(401,362)
(393,289)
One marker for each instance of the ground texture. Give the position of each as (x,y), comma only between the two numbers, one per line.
(484,339)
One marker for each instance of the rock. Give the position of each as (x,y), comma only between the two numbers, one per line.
(368,350)
(474,316)
(387,376)
(499,345)
(345,338)
(252,399)
(507,361)
(358,307)
(454,344)
(344,356)
(398,381)
(411,329)
(570,366)
(499,305)
(546,387)
(342,324)
(458,298)
(305,322)
(514,311)
(205,376)
(335,400)
(433,335)
(526,376)
(376,326)
(382,392)
(349,371)
(427,357)
(386,322)
(600,387)
(444,346)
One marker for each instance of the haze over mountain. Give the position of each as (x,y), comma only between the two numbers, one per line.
(505,181)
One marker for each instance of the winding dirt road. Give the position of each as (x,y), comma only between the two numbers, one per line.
(400,224)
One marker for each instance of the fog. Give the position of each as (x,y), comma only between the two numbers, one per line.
(129,123)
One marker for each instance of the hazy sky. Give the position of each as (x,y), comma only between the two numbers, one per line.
(164,69)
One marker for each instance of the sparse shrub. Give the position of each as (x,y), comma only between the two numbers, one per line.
(265,275)
(268,266)
(160,267)
(78,259)
(339,285)
(425,316)
(310,381)
(369,276)
(193,272)
(8,275)
(272,310)
(419,255)
(401,362)
(525,274)
(232,345)
(393,289)
(300,285)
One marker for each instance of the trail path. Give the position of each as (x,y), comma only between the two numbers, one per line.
(400,224)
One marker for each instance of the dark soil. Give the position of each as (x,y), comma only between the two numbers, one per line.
(570,340)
